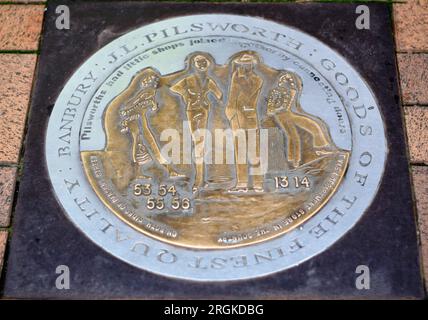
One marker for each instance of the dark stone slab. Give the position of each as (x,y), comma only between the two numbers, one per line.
(43,238)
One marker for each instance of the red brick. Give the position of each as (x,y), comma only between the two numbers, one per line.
(417,133)
(411,25)
(16,77)
(414,77)
(20,26)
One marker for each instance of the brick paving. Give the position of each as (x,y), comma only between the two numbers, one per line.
(411,37)
(20,31)
(20,28)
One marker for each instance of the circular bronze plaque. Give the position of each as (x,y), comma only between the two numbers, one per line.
(215,147)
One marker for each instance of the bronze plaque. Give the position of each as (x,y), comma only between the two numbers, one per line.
(199,140)
(214,190)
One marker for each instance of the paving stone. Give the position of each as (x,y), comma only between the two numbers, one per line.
(417,133)
(385,238)
(16,76)
(7,189)
(20,26)
(411,25)
(414,77)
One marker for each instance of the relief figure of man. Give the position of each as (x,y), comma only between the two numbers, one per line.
(194,90)
(241,111)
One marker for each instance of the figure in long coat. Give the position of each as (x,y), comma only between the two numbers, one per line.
(241,111)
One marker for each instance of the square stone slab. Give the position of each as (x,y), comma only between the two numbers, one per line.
(384,239)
